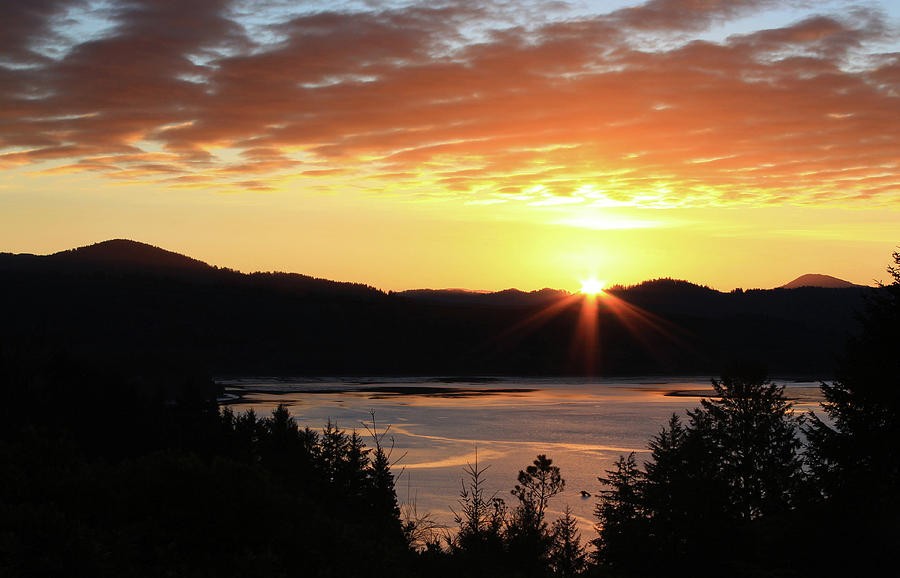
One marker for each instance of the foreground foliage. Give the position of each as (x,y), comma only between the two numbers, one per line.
(733,492)
(109,475)
(707,484)
(855,455)
(269,500)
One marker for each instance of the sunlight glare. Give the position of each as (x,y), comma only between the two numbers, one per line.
(592,286)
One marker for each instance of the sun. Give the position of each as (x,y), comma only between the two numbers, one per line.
(592,286)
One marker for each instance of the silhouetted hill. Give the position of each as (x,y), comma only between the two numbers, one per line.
(117,257)
(817,280)
(128,303)
(667,285)
(124,252)
(505,298)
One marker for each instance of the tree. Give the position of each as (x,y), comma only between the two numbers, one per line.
(685,498)
(863,402)
(752,434)
(706,483)
(528,538)
(854,453)
(247,432)
(334,450)
(477,548)
(621,519)
(682,491)
(381,477)
(537,484)
(480,519)
(568,557)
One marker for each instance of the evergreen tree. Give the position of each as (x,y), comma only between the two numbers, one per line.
(477,548)
(382,483)
(527,535)
(706,484)
(863,403)
(334,448)
(279,440)
(685,498)
(537,484)
(752,436)
(480,518)
(248,430)
(568,557)
(855,454)
(621,519)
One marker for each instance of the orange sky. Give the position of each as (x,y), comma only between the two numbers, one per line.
(460,144)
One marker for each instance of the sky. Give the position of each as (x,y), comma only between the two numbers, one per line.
(480,145)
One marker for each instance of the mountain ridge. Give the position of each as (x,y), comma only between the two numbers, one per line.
(126,252)
(137,254)
(818,280)
(179,312)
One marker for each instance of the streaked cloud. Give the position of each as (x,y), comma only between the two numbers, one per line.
(460,100)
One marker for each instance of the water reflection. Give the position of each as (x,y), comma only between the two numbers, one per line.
(438,425)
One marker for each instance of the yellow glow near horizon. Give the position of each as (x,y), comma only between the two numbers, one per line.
(445,168)
(592,286)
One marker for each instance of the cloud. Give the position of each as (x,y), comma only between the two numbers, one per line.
(28,25)
(686,15)
(446,97)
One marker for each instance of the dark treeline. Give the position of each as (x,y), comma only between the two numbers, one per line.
(139,306)
(102,475)
(745,487)
(107,470)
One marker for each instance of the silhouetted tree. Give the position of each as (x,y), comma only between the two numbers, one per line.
(209,495)
(334,448)
(381,478)
(279,443)
(706,484)
(752,435)
(248,430)
(537,484)
(687,500)
(423,532)
(855,453)
(527,535)
(568,556)
(480,520)
(863,403)
(621,519)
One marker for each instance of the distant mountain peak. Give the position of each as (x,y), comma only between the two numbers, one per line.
(818,280)
(129,253)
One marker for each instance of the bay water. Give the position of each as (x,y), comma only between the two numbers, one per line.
(436,426)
